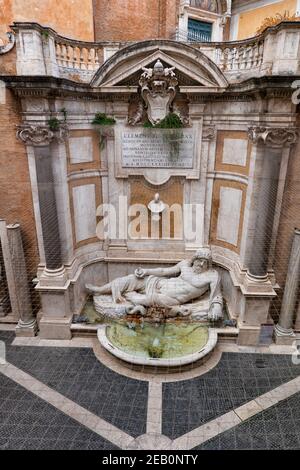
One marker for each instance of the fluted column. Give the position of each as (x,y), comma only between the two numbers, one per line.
(284,327)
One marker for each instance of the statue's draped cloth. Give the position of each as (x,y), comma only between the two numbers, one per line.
(149,286)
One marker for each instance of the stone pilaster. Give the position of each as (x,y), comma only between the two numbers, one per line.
(53,285)
(284,332)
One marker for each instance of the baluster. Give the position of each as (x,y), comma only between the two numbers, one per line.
(222,59)
(64,55)
(241,52)
(91,59)
(96,58)
(229,59)
(250,57)
(82,59)
(58,54)
(261,53)
(256,56)
(70,56)
(76,58)
(244,58)
(235,59)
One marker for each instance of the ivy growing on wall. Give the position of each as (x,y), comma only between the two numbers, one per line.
(173,135)
(102,120)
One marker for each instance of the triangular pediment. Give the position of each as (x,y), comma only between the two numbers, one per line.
(192,68)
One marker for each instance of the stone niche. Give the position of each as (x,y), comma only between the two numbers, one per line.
(210,163)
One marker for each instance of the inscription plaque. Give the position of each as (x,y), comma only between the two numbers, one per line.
(158,148)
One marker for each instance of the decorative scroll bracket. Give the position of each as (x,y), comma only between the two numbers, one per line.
(273,136)
(39,136)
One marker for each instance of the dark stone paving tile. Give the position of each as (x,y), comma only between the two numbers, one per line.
(43,430)
(7,336)
(236,379)
(264,431)
(77,374)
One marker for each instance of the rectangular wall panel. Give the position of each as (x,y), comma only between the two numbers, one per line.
(81,149)
(229,215)
(84,204)
(235,152)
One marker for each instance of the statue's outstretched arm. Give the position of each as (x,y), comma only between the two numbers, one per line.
(159,272)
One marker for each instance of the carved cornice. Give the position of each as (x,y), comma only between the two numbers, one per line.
(11,42)
(41,135)
(209,133)
(273,136)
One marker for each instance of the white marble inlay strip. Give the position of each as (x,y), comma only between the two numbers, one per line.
(57,343)
(70,408)
(227,421)
(154,410)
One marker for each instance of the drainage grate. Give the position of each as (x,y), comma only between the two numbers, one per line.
(260,363)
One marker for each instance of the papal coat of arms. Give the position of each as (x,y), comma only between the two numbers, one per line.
(158,90)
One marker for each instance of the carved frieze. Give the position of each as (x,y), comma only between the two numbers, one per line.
(273,136)
(41,135)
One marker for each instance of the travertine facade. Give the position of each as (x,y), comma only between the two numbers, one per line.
(239,163)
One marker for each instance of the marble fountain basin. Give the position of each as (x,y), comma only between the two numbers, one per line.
(166,345)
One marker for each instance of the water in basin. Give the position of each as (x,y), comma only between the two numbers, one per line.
(165,341)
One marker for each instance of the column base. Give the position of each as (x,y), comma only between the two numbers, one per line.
(26,329)
(55,328)
(284,336)
(248,335)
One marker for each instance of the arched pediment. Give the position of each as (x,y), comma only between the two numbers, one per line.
(193,69)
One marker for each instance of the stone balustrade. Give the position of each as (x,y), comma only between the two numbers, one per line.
(73,55)
(41,51)
(239,57)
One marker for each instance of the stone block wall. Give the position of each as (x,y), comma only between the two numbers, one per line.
(71,18)
(132,20)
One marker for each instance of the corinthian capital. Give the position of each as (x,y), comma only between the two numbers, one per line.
(40,135)
(273,136)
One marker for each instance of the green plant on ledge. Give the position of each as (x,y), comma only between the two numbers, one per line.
(54,124)
(102,119)
(173,137)
(65,113)
(171,121)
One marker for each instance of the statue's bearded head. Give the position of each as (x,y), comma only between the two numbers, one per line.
(202,260)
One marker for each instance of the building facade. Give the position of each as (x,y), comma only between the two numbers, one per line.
(234,91)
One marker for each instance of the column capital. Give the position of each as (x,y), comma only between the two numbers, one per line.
(275,137)
(209,132)
(39,135)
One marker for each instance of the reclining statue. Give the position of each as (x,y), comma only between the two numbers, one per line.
(177,288)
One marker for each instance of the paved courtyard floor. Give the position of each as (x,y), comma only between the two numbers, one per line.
(74,395)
